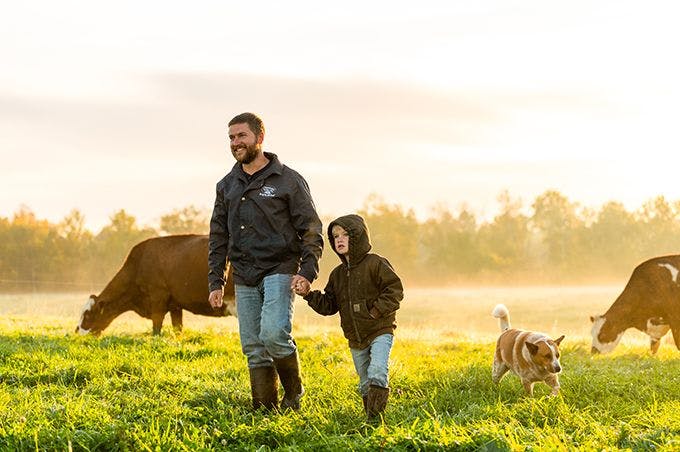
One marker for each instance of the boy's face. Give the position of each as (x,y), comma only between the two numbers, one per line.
(340,239)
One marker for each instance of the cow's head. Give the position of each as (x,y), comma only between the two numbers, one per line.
(93,318)
(605,335)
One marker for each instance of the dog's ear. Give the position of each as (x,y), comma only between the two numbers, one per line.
(533,348)
(559,339)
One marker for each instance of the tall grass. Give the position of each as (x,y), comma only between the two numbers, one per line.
(130,391)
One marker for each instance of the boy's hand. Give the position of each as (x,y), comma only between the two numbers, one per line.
(215,298)
(301,292)
(300,285)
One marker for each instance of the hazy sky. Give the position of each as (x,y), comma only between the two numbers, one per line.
(110,105)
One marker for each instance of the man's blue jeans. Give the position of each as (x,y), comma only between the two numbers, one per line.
(265,319)
(371,363)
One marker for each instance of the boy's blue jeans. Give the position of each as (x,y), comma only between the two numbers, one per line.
(371,363)
(265,318)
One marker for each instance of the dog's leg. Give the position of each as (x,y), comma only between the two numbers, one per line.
(498,371)
(528,387)
(554,383)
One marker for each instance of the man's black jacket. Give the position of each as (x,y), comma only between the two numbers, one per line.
(266,226)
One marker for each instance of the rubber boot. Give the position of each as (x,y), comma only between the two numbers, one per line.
(289,373)
(264,386)
(377,400)
(364,398)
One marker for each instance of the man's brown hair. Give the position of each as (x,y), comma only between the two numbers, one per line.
(254,122)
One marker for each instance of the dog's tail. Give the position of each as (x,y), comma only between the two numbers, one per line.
(503,316)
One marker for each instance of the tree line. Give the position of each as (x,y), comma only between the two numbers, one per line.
(552,240)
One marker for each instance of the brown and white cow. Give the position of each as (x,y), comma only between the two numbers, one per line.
(650,302)
(160,275)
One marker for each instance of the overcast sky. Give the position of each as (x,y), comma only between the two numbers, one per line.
(112,105)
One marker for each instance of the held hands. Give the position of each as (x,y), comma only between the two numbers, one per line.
(215,298)
(300,285)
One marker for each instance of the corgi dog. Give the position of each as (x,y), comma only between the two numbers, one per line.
(531,356)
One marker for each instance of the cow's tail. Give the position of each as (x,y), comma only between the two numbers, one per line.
(503,316)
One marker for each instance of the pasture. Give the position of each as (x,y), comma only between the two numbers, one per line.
(128,390)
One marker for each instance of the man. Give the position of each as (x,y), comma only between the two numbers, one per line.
(264,221)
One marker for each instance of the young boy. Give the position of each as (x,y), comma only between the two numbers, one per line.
(366,291)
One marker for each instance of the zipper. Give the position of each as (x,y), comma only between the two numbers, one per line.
(349,300)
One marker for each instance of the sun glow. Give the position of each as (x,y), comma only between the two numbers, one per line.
(467,99)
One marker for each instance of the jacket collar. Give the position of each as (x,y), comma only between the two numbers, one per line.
(274,167)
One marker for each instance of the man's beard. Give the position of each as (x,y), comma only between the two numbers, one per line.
(251,151)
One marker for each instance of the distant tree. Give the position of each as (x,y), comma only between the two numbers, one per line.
(660,222)
(5,264)
(113,243)
(329,260)
(27,251)
(189,220)
(556,220)
(72,244)
(559,240)
(614,241)
(450,247)
(72,227)
(394,233)
(505,241)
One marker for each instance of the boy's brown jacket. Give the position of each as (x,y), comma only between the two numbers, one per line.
(364,289)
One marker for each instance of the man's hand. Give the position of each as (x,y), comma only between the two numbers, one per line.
(300,285)
(215,298)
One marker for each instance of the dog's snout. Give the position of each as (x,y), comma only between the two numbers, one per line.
(558,368)
(594,351)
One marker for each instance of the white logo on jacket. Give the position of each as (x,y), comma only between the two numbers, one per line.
(268,192)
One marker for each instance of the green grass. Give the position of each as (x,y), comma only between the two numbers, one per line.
(130,391)
(136,392)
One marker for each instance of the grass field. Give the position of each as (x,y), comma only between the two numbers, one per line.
(128,390)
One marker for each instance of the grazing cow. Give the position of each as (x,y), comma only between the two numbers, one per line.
(160,275)
(650,302)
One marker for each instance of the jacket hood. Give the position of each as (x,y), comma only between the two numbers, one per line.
(359,240)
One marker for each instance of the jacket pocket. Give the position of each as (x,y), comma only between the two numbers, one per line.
(365,323)
(360,309)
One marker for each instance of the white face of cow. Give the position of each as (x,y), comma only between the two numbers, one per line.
(602,347)
(86,309)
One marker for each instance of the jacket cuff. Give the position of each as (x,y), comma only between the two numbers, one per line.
(310,277)
(215,286)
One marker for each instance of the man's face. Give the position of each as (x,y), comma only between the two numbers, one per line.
(244,144)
